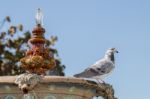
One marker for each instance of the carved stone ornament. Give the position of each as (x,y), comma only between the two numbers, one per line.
(27,81)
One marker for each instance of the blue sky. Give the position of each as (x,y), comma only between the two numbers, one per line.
(86,28)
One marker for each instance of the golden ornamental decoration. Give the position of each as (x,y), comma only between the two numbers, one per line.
(38,59)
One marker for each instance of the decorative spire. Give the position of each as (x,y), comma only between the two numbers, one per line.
(38,59)
(39,17)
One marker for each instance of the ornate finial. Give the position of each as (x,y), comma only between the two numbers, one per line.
(38,59)
(39,17)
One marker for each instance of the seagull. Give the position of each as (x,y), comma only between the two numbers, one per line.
(101,68)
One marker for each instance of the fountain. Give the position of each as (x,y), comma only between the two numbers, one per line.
(35,85)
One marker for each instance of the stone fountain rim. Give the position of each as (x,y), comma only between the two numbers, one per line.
(56,79)
(48,79)
(100,88)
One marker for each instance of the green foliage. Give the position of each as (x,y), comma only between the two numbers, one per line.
(13,45)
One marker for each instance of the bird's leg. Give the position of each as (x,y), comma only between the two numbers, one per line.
(100,80)
(103,81)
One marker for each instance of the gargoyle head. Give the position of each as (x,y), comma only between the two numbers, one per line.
(27,81)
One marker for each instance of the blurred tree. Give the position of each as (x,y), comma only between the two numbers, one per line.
(13,47)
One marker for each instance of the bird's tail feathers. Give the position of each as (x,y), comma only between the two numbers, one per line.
(81,75)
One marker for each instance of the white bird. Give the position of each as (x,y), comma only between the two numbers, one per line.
(101,68)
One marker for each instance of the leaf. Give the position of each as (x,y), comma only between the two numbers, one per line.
(12,30)
(3,34)
(8,19)
(20,27)
(53,40)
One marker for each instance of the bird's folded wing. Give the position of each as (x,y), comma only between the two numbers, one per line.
(106,68)
(97,69)
(89,72)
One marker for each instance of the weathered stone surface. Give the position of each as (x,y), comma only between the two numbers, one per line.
(56,87)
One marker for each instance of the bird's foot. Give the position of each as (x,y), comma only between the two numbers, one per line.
(100,81)
(103,82)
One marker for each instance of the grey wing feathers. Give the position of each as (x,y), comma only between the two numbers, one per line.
(105,68)
(87,73)
(98,69)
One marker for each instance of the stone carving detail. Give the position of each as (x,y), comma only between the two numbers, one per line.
(27,81)
(50,97)
(10,97)
(38,59)
(107,91)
